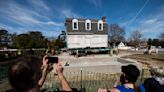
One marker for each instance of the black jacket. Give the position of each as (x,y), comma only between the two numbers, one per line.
(151,85)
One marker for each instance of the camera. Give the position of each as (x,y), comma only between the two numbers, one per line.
(52,59)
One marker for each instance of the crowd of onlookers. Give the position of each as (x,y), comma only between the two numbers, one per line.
(29,73)
(130,74)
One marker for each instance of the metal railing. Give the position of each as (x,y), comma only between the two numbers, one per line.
(91,81)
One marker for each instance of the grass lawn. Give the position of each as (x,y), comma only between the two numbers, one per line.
(149,59)
(160,56)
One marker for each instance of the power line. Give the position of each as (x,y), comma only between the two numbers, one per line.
(134,18)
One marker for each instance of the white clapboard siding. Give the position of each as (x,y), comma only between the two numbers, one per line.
(82,41)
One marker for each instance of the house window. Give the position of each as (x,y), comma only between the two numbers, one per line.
(88,24)
(100,25)
(75,24)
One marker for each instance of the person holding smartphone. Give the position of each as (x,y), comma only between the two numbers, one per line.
(27,74)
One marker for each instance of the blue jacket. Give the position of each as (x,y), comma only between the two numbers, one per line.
(122,88)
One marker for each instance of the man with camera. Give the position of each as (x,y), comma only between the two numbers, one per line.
(27,74)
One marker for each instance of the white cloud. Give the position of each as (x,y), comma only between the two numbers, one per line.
(19,14)
(6,27)
(55,23)
(12,29)
(152,25)
(48,32)
(97,3)
(123,24)
(68,13)
(39,4)
(29,19)
(25,19)
(155,27)
(150,21)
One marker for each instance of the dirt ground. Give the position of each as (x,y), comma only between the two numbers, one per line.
(148,60)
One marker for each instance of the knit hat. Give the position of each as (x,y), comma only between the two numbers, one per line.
(131,72)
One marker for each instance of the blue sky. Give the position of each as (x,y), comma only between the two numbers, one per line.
(48,16)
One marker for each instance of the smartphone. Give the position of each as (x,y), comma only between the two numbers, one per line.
(52,59)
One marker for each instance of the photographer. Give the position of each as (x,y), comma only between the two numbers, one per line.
(129,76)
(27,74)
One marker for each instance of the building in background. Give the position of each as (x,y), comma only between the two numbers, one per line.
(86,33)
(122,46)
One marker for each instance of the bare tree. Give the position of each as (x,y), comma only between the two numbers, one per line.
(116,33)
(135,38)
(5,38)
(161,36)
(161,39)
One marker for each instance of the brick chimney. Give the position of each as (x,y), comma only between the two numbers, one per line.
(104,19)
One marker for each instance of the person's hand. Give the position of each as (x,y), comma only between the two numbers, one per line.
(109,90)
(114,90)
(59,68)
(44,71)
(45,62)
(63,81)
(102,90)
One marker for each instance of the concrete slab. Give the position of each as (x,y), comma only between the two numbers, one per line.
(96,63)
